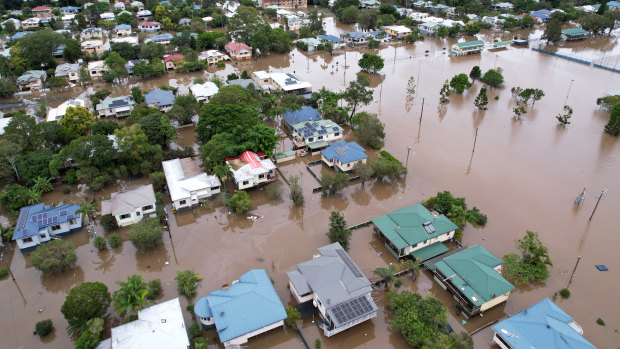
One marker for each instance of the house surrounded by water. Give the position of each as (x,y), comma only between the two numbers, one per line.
(187,184)
(335,285)
(251,170)
(130,205)
(343,156)
(38,224)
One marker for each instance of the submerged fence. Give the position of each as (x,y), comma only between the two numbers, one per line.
(603,63)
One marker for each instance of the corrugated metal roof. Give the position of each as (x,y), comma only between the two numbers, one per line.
(344,152)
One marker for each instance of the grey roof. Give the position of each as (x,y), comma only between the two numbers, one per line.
(128,200)
(65,68)
(161,97)
(242,82)
(116,102)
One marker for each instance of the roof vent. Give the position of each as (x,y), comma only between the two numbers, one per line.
(221,313)
(428,226)
(163,321)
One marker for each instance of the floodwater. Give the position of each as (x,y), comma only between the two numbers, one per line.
(524,175)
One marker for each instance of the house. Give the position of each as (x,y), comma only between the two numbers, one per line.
(33,22)
(212,56)
(312,44)
(70,10)
(149,27)
(543,325)
(397,31)
(473,276)
(356,38)
(4,122)
(143,15)
(45,21)
(38,224)
(132,63)
(57,113)
(185,21)
(287,82)
(172,61)
(541,15)
(344,156)
(314,135)
(138,5)
(292,117)
(284,3)
(187,184)
(67,19)
(119,6)
(502,6)
(158,326)
(42,11)
(574,34)
(242,310)
(115,106)
(123,30)
(91,33)
(107,16)
(429,28)
(369,4)
(16,23)
(251,170)
(238,51)
(412,229)
(132,40)
(334,40)
(96,70)
(31,80)
(336,286)
(71,71)
(130,205)
(92,47)
(160,99)
(467,47)
(163,39)
(19,35)
(203,92)
(245,83)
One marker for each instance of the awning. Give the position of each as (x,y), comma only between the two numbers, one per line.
(122,109)
(430,251)
(502,43)
(317,145)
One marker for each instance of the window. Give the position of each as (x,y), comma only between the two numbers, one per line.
(245,182)
(146,208)
(42,235)
(124,216)
(182,202)
(138,214)
(215,188)
(320,137)
(94,72)
(55,227)
(261,176)
(348,165)
(72,222)
(311,139)
(27,240)
(336,134)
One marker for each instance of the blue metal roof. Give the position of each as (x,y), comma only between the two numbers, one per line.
(122,27)
(344,152)
(543,325)
(330,38)
(248,305)
(36,217)
(165,2)
(160,97)
(292,117)
(19,35)
(69,8)
(163,36)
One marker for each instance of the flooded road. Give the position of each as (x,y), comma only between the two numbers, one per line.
(524,175)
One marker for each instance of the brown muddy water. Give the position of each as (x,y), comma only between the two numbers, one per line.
(524,175)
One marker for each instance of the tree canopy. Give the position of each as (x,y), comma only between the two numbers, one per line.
(86,301)
(533,263)
(371,62)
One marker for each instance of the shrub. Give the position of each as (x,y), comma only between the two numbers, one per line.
(158,179)
(338,231)
(146,234)
(3,273)
(114,240)
(221,64)
(398,283)
(565,293)
(66,190)
(600,322)
(493,77)
(317,343)
(199,342)
(273,190)
(186,283)
(331,185)
(44,327)
(194,330)
(292,316)
(239,202)
(108,222)
(55,256)
(153,289)
(190,308)
(387,166)
(297,194)
(100,243)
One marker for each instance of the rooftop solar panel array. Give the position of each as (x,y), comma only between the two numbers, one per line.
(352,309)
(347,260)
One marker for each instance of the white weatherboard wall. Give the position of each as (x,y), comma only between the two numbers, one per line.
(135,216)
(441,238)
(244,339)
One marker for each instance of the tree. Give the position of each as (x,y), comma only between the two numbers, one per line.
(533,263)
(364,171)
(475,72)
(553,31)
(38,47)
(349,15)
(152,51)
(42,184)
(137,95)
(537,95)
(77,121)
(43,327)
(369,130)
(239,202)
(332,185)
(460,83)
(216,119)
(9,26)
(184,109)
(603,8)
(493,77)
(415,265)
(316,22)
(116,65)
(444,94)
(15,196)
(519,110)
(371,63)
(411,85)
(245,24)
(7,88)
(84,302)
(295,188)
(135,151)
(187,283)
(158,129)
(613,126)
(386,166)
(131,297)
(482,100)
(367,19)
(357,93)
(292,317)
(527,21)
(105,127)
(564,119)
(387,275)
(72,51)
(146,234)
(472,29)
(338,231)
(10,151)
(54,256)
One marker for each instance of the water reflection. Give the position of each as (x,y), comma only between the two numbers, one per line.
(152,260)
(62,282)
(106,260)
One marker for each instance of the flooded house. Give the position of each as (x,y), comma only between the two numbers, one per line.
(158,326)
(130,205)
(38,224)
(336,287)
(31,80)
(574,34)
(244,309)
(343,156)
(473,276)
(238,51)
(289,83)
(213,56)
(397,31)
(203,92)
(314,135)
(187,184)
(92,47)
(467,48)
(160,99)
(96,70)
(414,231)
(251,170)
(71,72)
(306,113)
(543,325)
(115,107)
(57,113)
(149,27)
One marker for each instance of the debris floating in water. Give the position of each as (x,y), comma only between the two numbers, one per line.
(41,310)
(601,267)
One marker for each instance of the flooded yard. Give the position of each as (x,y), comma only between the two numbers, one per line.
(524,175)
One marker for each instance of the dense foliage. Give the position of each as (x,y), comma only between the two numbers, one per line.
(84,302)
(146,234)
(533,263)
(54,256)
(338,231)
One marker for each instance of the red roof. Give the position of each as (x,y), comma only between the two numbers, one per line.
(177,56)
(237,46)
(41,8)
(260,155)
(149,24)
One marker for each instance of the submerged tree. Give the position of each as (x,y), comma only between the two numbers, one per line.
(131,297)
(387,275)
(482,100)
(519,110)
(338,231)
(411,85)
(475,73)
(564,118)
(460,83)
(297,194)
(533,263)
(613,126)
(358,94)
(444,94)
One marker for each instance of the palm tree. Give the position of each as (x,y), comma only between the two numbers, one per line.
(132,295)
(34,197)
(221,172)
(416,266)
(387,274)
(86,209)
(42,184)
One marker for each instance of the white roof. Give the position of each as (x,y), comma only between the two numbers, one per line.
(144,13)
(398,28)
(207,19)
(261,74)
(92,43)
(108,15)
(295,82)
(128,39)
(180,186)
(246,171)
(4,122)
(56,113)
(68,17)
(159,326)
(96,65)
(208,89)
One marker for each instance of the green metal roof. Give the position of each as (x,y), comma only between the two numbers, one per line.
(285,154)
(470,43)
(317,145)
(471,272)
(502,43)
(405,227)
(429,251)
(29,75)
(575,32)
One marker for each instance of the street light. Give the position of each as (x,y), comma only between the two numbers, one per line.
(407,163)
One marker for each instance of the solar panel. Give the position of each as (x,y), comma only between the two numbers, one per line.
(64,213)
(70,216)
(54,219)
(341,151)
(45,215)
(428,226)
(347,260)
(352,309)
